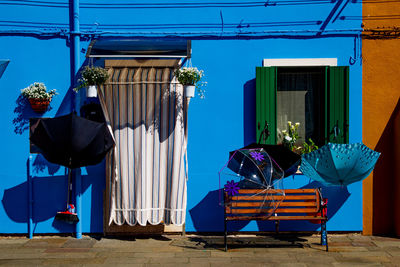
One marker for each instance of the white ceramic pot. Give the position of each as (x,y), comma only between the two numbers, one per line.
(91,91)
(189,90)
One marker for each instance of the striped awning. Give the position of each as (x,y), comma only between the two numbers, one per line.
(139,48)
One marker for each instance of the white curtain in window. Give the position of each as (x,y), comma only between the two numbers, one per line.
(296,102)
(146,111)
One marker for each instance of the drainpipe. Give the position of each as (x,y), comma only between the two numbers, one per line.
(30,197)
(75,64)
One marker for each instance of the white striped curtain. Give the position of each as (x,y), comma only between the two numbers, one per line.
(147,112)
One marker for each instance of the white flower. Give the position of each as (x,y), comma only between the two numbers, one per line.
(297,124)
(288,138)
(38,90)
(289,123)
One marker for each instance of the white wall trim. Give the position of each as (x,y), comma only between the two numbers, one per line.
(292,62)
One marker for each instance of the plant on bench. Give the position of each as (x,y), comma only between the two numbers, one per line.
(276,205)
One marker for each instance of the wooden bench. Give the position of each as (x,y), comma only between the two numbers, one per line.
(276,205)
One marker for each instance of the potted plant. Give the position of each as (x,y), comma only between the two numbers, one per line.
(92,77)
(290,136)
(38,96)
(190,79)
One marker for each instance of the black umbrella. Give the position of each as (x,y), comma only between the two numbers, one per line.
(284,157)
(73,142)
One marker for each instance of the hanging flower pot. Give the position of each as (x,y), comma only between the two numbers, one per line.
(189,90)
(190,78)
(38,96)
(39,105)
(91,77)
(91,91)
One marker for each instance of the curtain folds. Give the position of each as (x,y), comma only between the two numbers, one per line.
(146,111)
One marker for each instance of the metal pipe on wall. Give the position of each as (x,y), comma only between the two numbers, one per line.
(75,65)
(30,198)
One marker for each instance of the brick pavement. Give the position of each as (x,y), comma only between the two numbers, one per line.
(193,250)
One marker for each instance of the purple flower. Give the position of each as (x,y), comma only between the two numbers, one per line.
(257,156)
(231,188)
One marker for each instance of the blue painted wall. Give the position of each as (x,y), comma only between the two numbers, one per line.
(35,39)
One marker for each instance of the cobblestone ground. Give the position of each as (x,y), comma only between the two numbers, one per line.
(194,250)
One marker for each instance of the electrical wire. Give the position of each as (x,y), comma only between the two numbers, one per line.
(187,5)
(176,5)
(247,25)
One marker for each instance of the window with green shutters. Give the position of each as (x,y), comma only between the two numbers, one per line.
(315,96)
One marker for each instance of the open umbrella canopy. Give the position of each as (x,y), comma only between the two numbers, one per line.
(71,141)
(253,165)
(250,169)
(288,160)
(339,164)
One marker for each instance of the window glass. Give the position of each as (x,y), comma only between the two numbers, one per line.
(301,98)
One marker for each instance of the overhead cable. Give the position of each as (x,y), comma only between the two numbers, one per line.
(162,5)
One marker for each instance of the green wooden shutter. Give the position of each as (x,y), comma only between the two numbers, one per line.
(337,105)
(266,102)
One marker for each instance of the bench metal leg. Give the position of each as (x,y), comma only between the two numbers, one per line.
(225,234)
(324,235)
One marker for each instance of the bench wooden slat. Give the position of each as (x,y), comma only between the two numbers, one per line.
(275,218)
(269,203)
(267,211)
(277,191)
(277,198)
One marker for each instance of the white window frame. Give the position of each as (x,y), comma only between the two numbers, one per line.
(299,62)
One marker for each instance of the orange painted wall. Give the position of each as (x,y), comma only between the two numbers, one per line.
(381,117)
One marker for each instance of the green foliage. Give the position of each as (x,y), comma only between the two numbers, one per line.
(39,91)
(92,76)
(290,135)
(189,76)
(308,147)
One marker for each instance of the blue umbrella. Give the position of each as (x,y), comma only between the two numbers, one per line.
(339,164)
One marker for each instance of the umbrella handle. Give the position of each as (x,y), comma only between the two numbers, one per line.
(69,191)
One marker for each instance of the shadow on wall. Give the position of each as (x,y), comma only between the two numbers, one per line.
(386,179)
(208,214)
(50,196)
(23,111)
(249,112)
